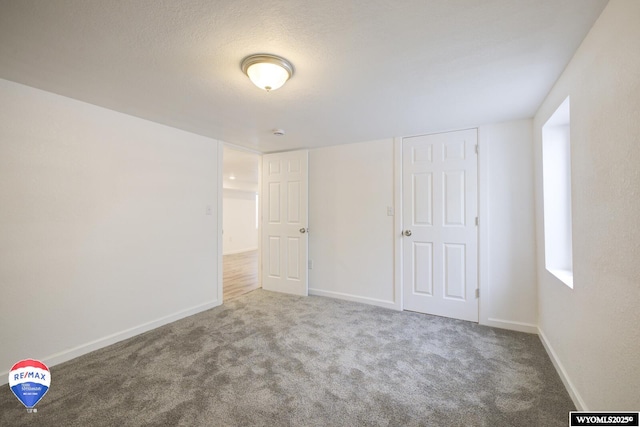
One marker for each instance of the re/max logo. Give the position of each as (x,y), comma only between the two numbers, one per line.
(29,375)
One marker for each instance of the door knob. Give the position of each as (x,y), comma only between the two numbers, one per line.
(407,233)
(304,230)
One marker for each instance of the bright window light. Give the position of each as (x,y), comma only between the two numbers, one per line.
(556,171)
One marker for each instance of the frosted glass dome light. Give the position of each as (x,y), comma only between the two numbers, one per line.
(268,72)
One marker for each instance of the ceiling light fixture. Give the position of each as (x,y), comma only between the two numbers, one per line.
(268,72)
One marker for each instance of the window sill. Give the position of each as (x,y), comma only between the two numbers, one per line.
(565,276)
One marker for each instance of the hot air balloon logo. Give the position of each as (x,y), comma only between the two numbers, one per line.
(29,380)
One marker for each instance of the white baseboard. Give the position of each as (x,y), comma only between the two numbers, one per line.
(511,325)
(66,355)
(239,251)
(573,393)
(348,297)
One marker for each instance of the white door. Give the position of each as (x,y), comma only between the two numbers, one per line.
(284,222)
(440,237)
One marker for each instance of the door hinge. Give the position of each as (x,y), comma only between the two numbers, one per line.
(477,149)
(477,292)
(477,221)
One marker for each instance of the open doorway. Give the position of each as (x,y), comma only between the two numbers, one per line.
(240,224)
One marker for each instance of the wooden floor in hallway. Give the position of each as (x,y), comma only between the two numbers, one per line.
(240,274)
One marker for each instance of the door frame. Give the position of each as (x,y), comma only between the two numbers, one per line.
(219,289)
(483,224)
(219,206)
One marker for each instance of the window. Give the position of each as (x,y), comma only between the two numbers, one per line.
(556,174)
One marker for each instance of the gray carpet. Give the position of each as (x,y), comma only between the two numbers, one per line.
(267,359)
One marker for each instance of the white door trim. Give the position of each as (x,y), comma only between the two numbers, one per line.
(219,289)
(397,223)
(483,227)
(260,226)
(219,207)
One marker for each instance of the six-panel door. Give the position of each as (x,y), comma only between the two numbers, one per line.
(440,239)
(284,222)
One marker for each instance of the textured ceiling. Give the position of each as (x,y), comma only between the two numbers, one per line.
(365,69)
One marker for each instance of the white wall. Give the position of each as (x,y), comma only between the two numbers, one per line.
(350,234)
(507,226)
(103,232)
(239,221)
(593,330)
(351,241)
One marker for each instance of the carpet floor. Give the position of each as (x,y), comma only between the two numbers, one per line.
(268,359)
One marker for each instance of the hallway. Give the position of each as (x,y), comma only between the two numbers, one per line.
(240,274)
